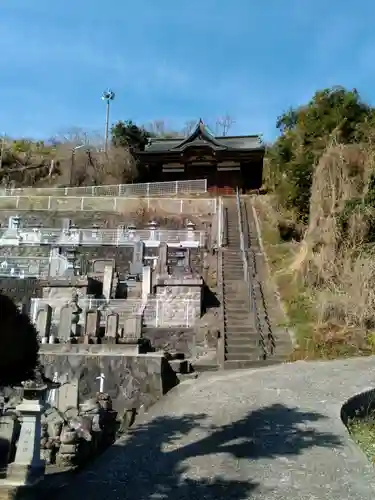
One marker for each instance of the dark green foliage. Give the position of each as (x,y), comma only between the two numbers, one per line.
(128,134)
(366,207)
(19,344)
(333,114)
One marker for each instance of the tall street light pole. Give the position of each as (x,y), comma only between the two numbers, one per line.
(72,162)
(107,96)
(2,150)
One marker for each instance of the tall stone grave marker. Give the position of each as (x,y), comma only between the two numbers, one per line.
(65,325)
(107,282)
(111,331)
(67,396)
(43,322)
(92,324)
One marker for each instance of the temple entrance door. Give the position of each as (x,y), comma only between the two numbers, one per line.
(227,181)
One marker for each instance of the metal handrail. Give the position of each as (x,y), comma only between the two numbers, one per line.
(249,279)
(242,239)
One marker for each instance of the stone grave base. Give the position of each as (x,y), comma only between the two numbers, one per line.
(9,492)
(20,475)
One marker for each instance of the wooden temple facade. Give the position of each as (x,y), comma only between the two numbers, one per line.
(226,162)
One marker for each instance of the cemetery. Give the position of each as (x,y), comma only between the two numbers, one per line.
(116,290)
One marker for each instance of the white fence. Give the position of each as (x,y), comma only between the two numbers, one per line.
(174,312)
(123,307)
(186,206)
(24,267)
(148,189)
(110,237)
(164,313)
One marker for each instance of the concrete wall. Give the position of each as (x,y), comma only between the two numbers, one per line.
(131,381)
(188,206)
(172,340)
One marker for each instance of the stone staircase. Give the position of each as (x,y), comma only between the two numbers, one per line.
(240,336)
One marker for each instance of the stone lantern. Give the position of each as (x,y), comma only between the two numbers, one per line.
(131,229)
(28,468)
(190,226)
(153,226)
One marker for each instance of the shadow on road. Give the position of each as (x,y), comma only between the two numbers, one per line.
(163,458)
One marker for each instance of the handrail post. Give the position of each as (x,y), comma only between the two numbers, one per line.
(242,239)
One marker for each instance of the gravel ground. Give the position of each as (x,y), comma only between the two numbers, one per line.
(273,433)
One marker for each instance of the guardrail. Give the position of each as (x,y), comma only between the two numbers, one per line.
(36,267)
(111,237)
(148,189)
(242,240)
(24,267)
(176,312)
(187,206)
(251,279)
(121,306)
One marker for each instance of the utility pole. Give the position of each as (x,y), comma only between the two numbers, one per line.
(72,162)
(2,151)
(107,96)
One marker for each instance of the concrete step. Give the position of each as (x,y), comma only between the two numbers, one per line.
(237,323)
(245,332)
(258,363)
(230,309)
(243,340)
(240,319)
(248,350)
(236,311)
(237,300)
(205,367)
(242,356)
(233,299)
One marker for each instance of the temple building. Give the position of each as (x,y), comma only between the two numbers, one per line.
(226,162)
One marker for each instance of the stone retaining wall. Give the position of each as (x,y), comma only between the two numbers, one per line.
(130,381)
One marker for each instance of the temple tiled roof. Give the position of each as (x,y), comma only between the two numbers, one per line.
(202,136)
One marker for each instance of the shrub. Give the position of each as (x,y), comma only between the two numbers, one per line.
(19,344)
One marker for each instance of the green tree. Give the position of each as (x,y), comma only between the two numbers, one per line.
(128,134)
(332,114)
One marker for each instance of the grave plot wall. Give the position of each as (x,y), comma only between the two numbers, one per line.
(131,381)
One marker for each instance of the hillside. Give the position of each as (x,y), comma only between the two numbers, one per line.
(319,222)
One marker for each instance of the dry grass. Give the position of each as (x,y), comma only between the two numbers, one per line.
(330,275)
(341,273)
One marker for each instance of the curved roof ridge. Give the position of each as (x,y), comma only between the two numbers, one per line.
(200,129)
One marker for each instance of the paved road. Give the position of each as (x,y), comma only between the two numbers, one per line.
(274,433)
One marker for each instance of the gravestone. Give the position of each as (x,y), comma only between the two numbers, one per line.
(146,282)
(65,324)
(137,263)
(66,224)
(99,265)
(111,331)
(163,258)
(107,282)
(7,430)
(43,321)
(92,323)
(67,396)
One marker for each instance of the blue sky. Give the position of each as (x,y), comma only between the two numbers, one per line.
(176,60)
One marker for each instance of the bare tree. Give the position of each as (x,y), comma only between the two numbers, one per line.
(188,127)
(224,124)
(158,128)
(81,160)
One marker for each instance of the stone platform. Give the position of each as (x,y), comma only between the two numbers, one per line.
(272,433)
